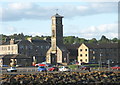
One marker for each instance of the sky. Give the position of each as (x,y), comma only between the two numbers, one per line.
(81,19)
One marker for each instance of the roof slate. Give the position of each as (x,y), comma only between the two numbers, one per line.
(102,45)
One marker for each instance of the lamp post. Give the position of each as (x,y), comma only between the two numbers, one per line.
(108,64)
(100,62)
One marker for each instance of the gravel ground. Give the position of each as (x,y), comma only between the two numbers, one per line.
(62,78)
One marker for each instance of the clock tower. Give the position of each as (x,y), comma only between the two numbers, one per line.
(57,31)
(57,53)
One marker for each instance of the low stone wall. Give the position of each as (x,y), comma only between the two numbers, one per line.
(62,78)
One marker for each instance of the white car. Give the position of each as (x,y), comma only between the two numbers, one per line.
(64,68)
(12,69)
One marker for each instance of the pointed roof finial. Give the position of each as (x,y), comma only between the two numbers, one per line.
(56,11)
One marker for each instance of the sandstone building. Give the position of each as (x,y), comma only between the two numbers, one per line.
(88,53)
(58,52)
(23,51)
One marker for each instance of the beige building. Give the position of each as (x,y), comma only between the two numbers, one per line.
(89,53)
(83,54)
(58,52)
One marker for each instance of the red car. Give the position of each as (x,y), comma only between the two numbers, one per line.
(39,64)
(117,67)
(53,69)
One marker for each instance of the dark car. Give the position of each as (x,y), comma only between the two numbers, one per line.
(117,67)
(59,64)
(85,68)
(53,69)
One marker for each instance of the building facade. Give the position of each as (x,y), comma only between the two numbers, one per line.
(58,52)
(18,51)
(88,53)
(73,51)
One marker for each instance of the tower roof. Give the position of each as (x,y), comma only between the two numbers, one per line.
(57,15)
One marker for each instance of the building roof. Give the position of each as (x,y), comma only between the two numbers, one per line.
(8,42)
(72,46)
(57,15)
(35,42)
(73,49)
(102,45)
(38,42)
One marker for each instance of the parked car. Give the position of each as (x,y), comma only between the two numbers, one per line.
(117,67)
(19,65)
(85,68)
(4,65)
(64,68)
(40,64)
(59,64)
(12,69)
(48,65)
(42,69)
(53,69)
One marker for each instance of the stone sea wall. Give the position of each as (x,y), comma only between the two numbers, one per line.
(62,78)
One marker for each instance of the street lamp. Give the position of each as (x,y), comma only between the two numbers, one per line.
(100,62)
(108,62)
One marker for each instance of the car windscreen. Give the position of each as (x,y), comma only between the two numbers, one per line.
(41,67)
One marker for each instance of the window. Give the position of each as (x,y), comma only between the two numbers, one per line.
(85,49)
(9,48)
(31,47)
(85,54)
(80,49)
(41,47)
(47,47)
(81,60)
(86,60)
(53,33)
(12,48)
(21,47)
(81,55)
(26,47)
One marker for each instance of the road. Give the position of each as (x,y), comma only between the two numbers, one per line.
(33,70)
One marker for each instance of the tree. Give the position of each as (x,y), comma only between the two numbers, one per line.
(104,39)
(114,40)
(82,40)
(93,40)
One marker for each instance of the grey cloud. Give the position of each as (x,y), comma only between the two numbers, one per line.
(16,12)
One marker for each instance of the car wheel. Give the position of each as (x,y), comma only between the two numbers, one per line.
(54,70)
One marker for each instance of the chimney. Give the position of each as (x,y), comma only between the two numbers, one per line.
(12,41)
(29,39)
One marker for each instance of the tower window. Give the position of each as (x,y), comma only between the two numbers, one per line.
(53,33)
(85,49)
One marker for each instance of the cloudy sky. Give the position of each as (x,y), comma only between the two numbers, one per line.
(83,19)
